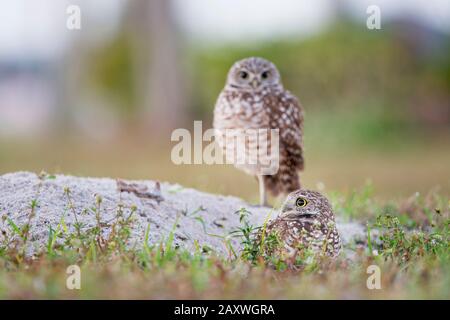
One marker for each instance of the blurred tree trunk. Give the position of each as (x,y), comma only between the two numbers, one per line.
(68,80)
(159,77)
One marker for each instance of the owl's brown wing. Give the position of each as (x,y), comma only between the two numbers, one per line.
(292,132)
(287,115)
(296,234)
(292,234)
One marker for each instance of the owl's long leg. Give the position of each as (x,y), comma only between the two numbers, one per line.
(262,191)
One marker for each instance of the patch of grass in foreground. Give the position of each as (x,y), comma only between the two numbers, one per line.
(412,253)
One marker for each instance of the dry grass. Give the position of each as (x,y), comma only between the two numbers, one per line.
(413,256)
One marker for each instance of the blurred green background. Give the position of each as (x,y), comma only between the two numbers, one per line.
(377,102)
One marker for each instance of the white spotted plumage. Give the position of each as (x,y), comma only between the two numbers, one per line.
(311,226)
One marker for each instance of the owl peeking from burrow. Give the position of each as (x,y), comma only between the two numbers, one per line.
(306,222)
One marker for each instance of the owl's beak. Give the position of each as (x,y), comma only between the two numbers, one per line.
(291,212)
(255,83)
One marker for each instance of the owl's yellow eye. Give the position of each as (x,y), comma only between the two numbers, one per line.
(301,202)
(265,74)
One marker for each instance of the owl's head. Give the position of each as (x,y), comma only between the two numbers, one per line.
(253,74)
(307,204)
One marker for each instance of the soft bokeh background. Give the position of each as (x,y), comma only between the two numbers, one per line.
(103,100)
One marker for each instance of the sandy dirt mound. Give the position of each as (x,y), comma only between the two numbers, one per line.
(193,215)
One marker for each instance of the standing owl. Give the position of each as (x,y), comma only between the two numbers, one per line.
(306,221)
(254,98)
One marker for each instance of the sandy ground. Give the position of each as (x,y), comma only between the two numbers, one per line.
(196,215)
